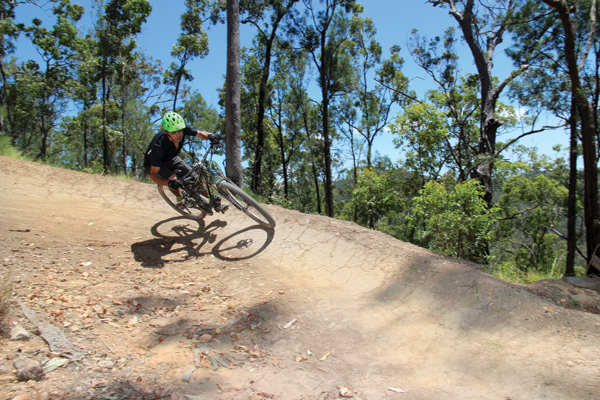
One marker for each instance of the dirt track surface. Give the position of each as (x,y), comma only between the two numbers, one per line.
(153,306)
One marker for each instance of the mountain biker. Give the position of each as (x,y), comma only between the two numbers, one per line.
(161,158)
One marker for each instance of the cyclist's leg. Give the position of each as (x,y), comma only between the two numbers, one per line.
(178,164)
(166,172)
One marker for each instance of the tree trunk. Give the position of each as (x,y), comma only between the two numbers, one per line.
(105,158)
(123,101)
(314,167)
(232,103)
(2,90)
(572,202)
(260,129)
(488,124)
(588,137)
(43,154)
(85,143)
(177,90)
(327,155)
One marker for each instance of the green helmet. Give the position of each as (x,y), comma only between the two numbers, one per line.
(172,122)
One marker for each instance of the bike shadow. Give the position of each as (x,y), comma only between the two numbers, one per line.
(241,245)
(179,239)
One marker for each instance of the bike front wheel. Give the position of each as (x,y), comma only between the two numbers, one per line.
(244,202)
(182,208)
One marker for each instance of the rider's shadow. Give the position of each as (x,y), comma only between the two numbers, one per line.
(175,236)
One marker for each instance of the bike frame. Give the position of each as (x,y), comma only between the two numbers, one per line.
(213,177)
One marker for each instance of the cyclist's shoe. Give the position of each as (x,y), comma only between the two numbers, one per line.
(218,205)
(184,201)
(223,208)
(206,207)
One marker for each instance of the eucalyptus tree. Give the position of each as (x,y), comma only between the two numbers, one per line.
(565,82)
(366,109)
(285,111)
(322,31)
(375,95)
(484,25)
(85,91)
(546,87)
(456,96)
(251,76)
(58,48)
(307,169)
(233,146)
(267,35)
(575,61)
(137,81)
(192,43)
(254,12)
(21,99)
(9,32)
(120,21)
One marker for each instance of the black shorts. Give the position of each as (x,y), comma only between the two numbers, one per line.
(168,168)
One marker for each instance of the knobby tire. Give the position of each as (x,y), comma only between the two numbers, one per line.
(244,202)
(192,212)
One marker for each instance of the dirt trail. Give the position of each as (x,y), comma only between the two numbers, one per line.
(164,307)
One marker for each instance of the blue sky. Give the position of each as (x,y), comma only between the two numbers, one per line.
(394,20)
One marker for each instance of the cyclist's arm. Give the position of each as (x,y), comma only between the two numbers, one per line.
(155,176)
(202,135)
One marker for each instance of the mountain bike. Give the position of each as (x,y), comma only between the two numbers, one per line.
(200,188)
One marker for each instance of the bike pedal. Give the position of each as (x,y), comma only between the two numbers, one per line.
(206,207)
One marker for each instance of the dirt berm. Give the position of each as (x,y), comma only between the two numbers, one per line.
(123,299)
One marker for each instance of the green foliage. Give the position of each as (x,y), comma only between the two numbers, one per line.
(374,193)
(531,207)
(199,115)
(422,132)
(192,43)
(377,193)
(453,219)
(512,273)
(8,150)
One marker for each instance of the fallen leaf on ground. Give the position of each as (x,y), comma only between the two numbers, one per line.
(188,375)
(397,390)
(100,383)
(289,323)
(54,363)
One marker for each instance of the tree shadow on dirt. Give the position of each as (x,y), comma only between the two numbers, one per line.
(123,388)
(235,344)
(178,235)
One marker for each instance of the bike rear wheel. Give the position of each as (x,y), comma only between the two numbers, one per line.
(244,202)
(187,211)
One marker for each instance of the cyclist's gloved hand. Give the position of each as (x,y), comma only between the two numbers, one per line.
(175,184)
(214,137)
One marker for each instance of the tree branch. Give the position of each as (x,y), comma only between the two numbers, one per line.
(560,235)
(591,35)
(544,128)
(398,91)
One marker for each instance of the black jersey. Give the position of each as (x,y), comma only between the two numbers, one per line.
(161,149)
